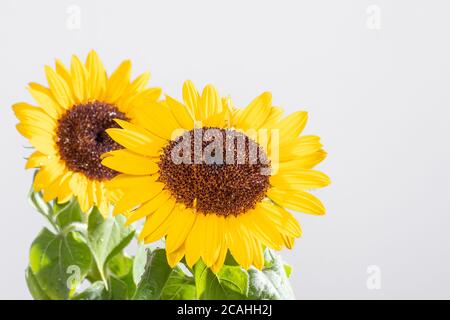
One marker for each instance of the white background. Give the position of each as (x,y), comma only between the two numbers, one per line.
(378,98)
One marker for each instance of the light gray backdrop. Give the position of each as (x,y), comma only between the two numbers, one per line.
(374,75)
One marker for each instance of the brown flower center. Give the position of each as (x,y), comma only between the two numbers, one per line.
(81,138)
(215,171)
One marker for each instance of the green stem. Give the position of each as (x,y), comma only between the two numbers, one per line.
(75,226)
(51,221)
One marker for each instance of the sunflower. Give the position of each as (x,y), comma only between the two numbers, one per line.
(67,127)
(206,206)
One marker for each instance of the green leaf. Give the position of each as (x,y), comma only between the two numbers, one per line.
(140,260)
(59,262)
(158,279)
(154,279)
(229,283)
(272,282)
(68,213)
(96,291)
(118,289)
(106,238)
(229,260)
(120,282)
(179,286)
(93,274)
(121,267)
(33,286)
(287,269)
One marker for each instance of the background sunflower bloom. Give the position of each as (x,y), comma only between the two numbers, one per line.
(67,127)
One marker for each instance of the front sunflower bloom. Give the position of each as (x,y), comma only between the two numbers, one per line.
(67,128)
(190,170)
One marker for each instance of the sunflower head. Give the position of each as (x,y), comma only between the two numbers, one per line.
(214,179)
(68,127)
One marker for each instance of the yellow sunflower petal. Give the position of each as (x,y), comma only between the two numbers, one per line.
(99,194)
(102,200)
(79,80)
(44,144)
(34,116)
(92,191)
(299,179)
(114,195)
(159,120)
(263,228)
(48,174)
(181,113)
(128,162)
(235,114)
(139,131)
(298,200)
(256,113)
(149,207)
(83,200)
(125,181)
(140,101)
(45,100)
(210,102)
(281,219)
(191,98)
(288,241)
(136,95)
(34,123)
(34,131)
(239,242)
(293,124)
(273,118)
(139,83)
(213,235)
(96,76)
(174,257)
(305,162)
(59,88)
(223,249)
(135,141)
(103,207)
(54,190)
(219,120)
(118,82)
(195,241)
(158,223)
(63,72)
(258,255)
(51,191)
(299,147)
(180,229)
(132,199)
(78,183)
(37,159)
(65,193)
